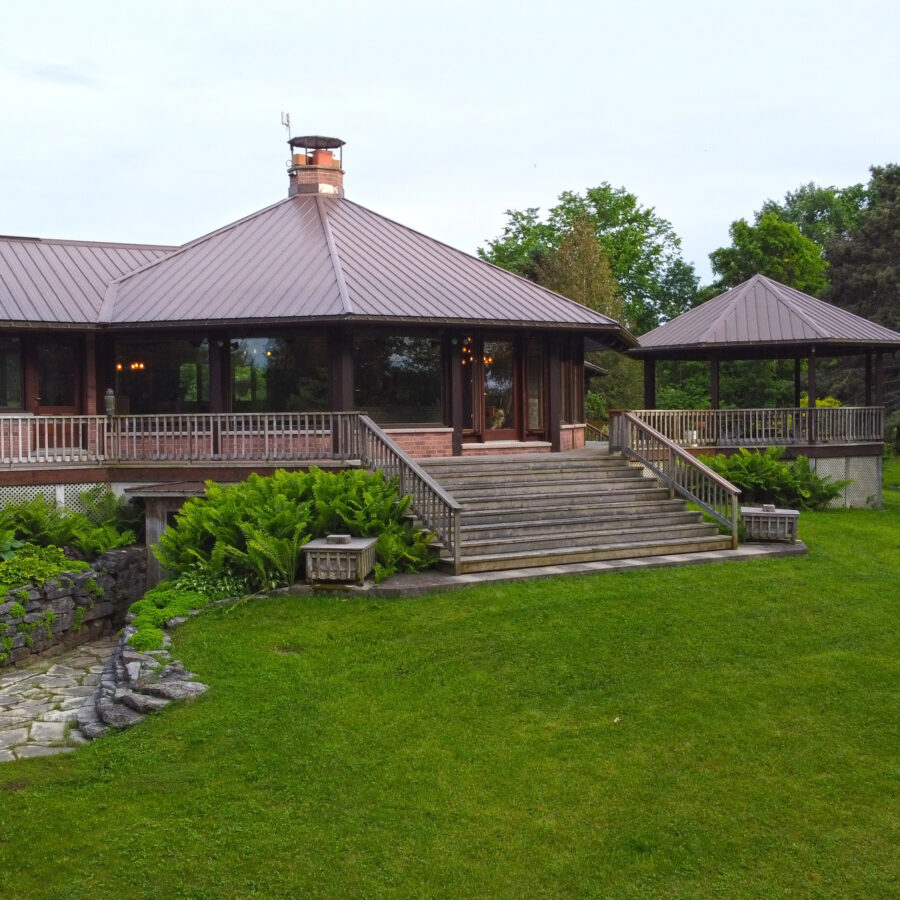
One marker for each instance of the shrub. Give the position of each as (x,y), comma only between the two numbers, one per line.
(764,478)
(41,522)
(595,408)
(252,533)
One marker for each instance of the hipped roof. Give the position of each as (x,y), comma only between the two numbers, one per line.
(62,282)
(307,259)
(762,317)
(316,258)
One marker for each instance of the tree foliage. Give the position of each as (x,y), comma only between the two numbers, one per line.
(774,248)
(821,213)
(643,251)
(865,279)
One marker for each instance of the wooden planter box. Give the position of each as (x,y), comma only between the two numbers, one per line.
(339,557)
(766,523)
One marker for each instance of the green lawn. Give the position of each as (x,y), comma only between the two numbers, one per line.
(715,731)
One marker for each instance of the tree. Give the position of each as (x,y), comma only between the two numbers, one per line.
(579,269)
(821,213)
(773,248)
(865,279)
(643,250)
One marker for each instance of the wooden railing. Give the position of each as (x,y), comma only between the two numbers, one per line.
(767,427)
(593,433)
(49,440)
(438,511)
(234,437)
(678,470)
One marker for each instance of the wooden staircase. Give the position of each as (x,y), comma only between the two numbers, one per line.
(555,509)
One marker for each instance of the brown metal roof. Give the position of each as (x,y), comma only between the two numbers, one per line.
(62,282)
(763,315)
(316,258)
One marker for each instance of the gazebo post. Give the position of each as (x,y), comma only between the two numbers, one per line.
(879,379)
(714,382)
(649,384)
(811,395)
(869,378)
(797,368)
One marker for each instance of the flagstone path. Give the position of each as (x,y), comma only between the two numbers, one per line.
(39,703)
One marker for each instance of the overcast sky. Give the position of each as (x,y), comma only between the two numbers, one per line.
(160,121)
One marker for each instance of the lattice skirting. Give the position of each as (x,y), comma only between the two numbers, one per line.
(865,473)
(62,494)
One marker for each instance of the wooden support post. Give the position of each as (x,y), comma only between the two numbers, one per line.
(714,383)
(811,394)
(797,368)
(340,365)
(456,392)
(93,405)
(869,378)
(219,373)
(879,379)
(554,391)
(649,384)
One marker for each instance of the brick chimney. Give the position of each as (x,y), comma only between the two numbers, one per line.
(313,168)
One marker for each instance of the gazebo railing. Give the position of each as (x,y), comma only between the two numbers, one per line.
(767,427)
(681,472)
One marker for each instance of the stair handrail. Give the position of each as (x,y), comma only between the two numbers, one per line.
(676,468)
(596,433)
(438,511)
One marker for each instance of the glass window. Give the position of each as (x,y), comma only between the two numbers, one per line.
(162,376)
(280,374)
(10,373)
(534,369)
(499,384)
(397,380)
(57,367)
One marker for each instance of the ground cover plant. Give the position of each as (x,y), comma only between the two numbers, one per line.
(719,731)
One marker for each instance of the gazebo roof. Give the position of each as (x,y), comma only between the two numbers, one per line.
(764,318)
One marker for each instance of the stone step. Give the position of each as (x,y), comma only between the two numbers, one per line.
(566,556)
(587,524)
(587,539)
(588,476)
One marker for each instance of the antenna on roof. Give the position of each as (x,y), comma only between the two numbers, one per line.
(286,121)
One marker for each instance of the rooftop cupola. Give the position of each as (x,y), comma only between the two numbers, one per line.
(313,168)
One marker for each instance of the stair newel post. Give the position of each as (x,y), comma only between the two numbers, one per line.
(670,469)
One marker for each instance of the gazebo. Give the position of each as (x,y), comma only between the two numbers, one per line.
(764,319)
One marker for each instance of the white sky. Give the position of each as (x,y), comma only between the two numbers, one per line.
(159,121)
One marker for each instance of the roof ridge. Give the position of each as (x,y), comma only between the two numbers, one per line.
(450,247)
(793,308)
(729,307)
(334,256)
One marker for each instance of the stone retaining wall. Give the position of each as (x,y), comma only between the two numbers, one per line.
(71,609)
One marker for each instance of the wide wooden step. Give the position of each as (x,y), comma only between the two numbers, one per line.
(567,556)
(596,523)
(589,539)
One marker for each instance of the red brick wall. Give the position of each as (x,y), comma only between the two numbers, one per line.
(571,437)
(423,442)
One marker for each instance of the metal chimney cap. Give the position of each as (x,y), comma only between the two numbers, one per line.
(316,142)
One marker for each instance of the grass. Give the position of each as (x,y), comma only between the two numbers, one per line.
(719,731)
